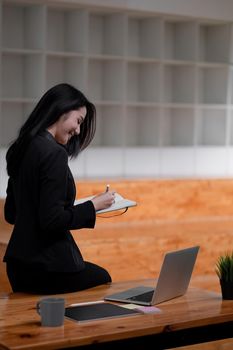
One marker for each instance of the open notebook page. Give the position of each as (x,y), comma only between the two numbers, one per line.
(120,203)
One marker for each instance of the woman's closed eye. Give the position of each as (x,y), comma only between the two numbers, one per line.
(80,120)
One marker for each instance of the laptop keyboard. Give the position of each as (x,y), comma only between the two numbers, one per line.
(147,297)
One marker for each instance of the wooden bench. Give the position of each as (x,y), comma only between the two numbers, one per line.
(171,214)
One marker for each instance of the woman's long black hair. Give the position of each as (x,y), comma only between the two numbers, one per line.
(58,100)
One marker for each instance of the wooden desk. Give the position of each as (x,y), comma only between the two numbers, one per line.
(195,317)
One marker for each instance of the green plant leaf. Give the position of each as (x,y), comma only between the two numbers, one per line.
(224,267)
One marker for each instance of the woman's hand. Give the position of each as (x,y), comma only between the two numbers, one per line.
(103,200)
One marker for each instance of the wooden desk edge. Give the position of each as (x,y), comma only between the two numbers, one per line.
(13,328)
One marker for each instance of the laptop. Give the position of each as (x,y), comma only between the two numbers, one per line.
(173,281)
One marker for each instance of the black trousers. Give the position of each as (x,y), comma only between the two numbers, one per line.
(24,278)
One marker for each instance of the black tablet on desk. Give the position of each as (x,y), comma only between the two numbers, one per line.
(98,311)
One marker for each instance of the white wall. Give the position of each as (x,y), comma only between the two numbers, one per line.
(219,9)
(212,9)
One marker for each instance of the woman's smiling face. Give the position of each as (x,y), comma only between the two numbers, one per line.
(68,125)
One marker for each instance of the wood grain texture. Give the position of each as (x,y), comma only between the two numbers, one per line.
(20,326)
(136,251)
(171,214)
(169,199)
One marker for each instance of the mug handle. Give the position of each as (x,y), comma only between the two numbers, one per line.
(38,307)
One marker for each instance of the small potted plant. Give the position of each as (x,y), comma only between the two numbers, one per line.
(224,270)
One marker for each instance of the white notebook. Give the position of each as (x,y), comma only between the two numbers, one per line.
(120,203)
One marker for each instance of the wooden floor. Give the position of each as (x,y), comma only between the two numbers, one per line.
(171,214)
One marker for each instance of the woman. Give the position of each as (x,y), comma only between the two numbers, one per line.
(42,256)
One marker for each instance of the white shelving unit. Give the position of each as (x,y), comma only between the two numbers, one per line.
(64,68)
(212,87)
(22,26)
(22,75)
(177,127)
(105,80)
(66,30)
(110,126)
(142,126)
(106,33)
(211,127)
(180,40)
(140,42)
(214,42)
(162,84)
(179,83)
(142,82)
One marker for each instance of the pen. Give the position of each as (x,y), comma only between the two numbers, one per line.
(107,188)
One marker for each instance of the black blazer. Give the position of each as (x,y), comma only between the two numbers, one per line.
(40,205)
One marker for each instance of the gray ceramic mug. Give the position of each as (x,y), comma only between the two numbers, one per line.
(52,311)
